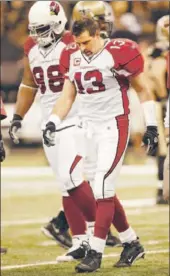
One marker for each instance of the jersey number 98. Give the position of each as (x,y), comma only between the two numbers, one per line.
(54,77)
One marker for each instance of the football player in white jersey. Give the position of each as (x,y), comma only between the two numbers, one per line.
(42,75)
(166,183)
(100,72)
(102,12)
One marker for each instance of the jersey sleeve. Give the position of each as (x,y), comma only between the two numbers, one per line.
(65,59)
(128,60)
(28,45)
(67,38)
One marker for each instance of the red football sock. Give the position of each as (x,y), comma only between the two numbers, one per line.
(74,217)
(104,217)
(119,220)
(83,197)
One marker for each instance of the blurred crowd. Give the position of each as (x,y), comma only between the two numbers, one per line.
(139,17)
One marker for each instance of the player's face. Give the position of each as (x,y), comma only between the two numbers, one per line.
(88,44)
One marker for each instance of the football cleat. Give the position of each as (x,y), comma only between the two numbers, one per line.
(63,238)
(112,240)
(131,252)
(74,253)
(90,263)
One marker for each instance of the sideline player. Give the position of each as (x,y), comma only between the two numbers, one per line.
(156,70)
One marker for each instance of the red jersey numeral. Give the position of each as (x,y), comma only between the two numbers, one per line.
(97,82)
(39,78)
(55,78)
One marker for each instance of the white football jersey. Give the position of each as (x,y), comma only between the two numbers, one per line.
(102,81)
(44,64)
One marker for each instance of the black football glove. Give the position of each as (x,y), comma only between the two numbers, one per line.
(2,151)
(14,127)
(49,134)
(150,139)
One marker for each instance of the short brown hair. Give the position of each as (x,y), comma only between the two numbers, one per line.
(83,25)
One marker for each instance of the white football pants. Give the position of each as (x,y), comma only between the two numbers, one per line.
(63,159)
(103,147)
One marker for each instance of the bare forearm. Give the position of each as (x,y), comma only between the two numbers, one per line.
(62,107)
(65,102)
(145,95)
(142,87)
(25,100)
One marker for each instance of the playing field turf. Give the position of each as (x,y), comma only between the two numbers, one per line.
(28,203)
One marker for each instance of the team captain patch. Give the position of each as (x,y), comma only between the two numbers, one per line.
(77,61)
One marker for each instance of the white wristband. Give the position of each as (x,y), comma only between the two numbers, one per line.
(149,113)
(55,119)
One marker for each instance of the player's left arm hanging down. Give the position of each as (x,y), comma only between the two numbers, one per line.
(150,138)
(60,111)
(25,98)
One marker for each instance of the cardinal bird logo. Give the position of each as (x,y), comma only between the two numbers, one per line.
(54,8)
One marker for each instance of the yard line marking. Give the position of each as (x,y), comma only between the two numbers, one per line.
(11,172)
(150,242)
(147,252)
(45,220)
(27,265)
(153,242)
(55,262)
(24,222)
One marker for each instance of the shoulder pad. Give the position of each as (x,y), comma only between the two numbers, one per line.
(28,45)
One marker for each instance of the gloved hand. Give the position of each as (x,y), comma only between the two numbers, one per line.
(49,134)
(2,151)
(150,139)
(14,127)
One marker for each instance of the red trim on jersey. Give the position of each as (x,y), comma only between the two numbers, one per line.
(29,44)
(65,57)
(124,86)
(2,111)
(67,38)
(126,56)
(74,164)
(123,130)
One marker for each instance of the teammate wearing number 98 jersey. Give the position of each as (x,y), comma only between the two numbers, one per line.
(42,75)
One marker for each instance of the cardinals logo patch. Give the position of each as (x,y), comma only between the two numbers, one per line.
(54,8)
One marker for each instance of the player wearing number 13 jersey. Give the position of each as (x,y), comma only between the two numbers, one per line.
(102,79)
(100,72)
